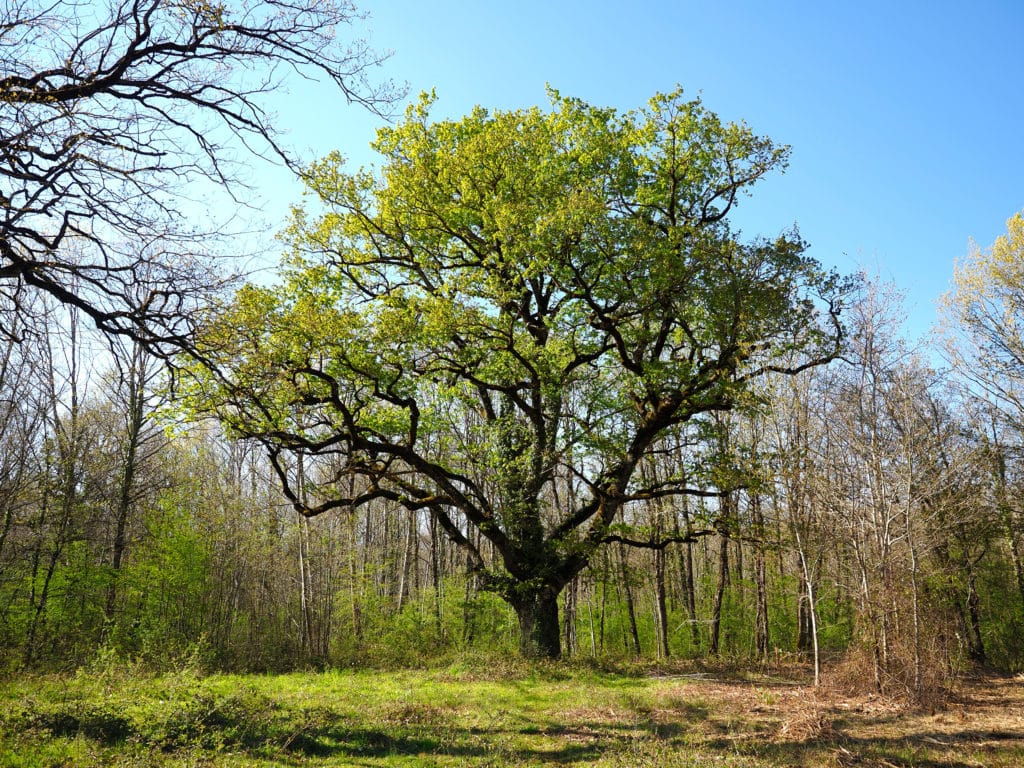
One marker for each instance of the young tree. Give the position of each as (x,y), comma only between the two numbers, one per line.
(984,311)
(517,296)
(113,115)
(985,342)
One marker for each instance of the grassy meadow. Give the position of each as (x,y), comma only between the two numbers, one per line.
(478,715)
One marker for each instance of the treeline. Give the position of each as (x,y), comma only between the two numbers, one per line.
(864,515)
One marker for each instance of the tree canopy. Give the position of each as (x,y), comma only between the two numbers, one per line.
(503,323)
(986,307)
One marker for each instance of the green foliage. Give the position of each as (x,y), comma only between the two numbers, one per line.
(165,582)
(609,227)
(1002,608)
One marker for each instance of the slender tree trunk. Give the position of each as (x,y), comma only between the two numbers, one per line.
(976,643)
(803,618)
(868,609)
(627,591)
(407,555)
(39,599)
(1016,549)
(915,607)
(436,574)
(723,582)
(604,598)
(762,640)
(366,550)
(807,594)
(590,616)
(135,378)
(812,612)
(13,479)
(688,585)
(662,603)
(67,438)
(354,581)
(327,590)
(737,578)
(569,620)
(468,604)
(8,507)
(306,599)
(40,607)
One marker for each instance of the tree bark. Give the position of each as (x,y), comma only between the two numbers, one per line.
(630,605)
(539,627)
(402,592)
(436,575)
(723,582)
(662,603)
(976,645)
(803,616)
(812,612)
(762,639)
(689,589)
(569,622)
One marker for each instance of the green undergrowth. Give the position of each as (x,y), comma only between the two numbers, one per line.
(464,714)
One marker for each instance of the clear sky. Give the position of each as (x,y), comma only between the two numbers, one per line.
(906,117)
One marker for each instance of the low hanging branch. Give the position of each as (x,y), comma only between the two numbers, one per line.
(663,542)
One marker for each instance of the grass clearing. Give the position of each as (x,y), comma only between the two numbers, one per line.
(518,716)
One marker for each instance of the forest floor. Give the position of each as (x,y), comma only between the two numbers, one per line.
(516,716)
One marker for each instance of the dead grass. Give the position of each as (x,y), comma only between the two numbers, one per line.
(981,726)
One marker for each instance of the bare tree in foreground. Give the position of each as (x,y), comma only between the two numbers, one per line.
(114,115)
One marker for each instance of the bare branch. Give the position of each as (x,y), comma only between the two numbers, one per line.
(111,119)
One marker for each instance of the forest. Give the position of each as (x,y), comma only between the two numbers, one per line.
(521,390)
(867,510)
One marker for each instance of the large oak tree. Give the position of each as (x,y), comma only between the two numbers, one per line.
(502,324)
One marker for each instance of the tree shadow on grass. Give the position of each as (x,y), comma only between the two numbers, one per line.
(946,749)
(580,743)
(570,738)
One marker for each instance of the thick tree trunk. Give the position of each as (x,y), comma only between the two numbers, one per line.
(539,627)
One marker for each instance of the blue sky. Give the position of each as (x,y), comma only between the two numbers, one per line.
(905,118)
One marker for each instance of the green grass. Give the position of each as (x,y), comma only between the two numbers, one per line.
(516,715)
